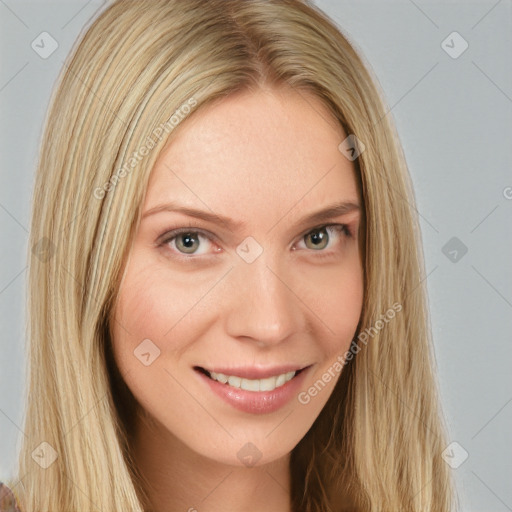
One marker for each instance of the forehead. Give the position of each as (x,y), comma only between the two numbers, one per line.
(255,153)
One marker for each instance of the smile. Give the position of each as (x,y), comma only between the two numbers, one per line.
(255,390)
(267,384)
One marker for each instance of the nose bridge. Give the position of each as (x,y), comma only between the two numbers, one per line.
(263,307)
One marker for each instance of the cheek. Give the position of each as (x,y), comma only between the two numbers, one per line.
(335,296)
(145,311)
(338,305)
(139,307)
(158,317)
(154,303)
(154,323)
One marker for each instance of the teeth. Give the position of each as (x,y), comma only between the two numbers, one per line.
(234,381)
(268,384)
(221,378)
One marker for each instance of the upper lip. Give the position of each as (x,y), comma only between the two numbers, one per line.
(255,372)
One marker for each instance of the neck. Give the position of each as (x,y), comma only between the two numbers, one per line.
(177,478)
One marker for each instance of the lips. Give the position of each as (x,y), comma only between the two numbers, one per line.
(269,391)
(270,383)
(247,372)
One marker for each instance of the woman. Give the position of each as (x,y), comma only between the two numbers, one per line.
(226,308)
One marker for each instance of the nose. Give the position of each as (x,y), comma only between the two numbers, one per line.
(263,307)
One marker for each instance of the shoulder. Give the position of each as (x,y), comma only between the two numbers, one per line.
(7,500)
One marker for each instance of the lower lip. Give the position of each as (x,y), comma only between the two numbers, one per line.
(256,402)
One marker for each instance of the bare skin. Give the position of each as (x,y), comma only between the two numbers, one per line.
(266,160)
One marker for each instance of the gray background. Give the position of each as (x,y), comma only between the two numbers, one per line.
(454,119)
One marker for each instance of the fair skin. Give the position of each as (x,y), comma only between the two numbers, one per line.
(266,160)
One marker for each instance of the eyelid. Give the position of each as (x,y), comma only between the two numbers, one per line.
(342,229)
(171,234)
(339,225)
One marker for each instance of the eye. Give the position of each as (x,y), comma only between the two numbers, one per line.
(318,238)
(187,241)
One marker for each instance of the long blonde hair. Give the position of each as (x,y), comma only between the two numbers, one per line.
(377,443)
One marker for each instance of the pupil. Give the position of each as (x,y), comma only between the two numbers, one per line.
(187,241)
(319,237)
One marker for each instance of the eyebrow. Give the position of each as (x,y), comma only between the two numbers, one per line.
(329,212)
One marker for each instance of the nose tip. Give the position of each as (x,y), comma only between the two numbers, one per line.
(263,307)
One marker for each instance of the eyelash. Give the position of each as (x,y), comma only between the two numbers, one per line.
(169,236)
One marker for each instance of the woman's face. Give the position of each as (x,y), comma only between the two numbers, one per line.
(269,290)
